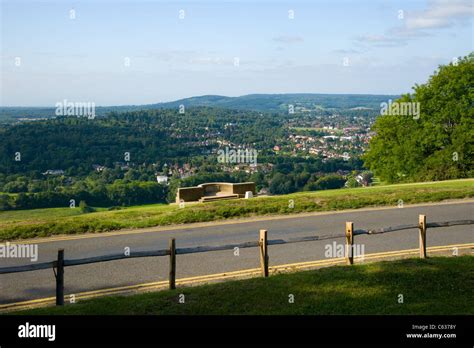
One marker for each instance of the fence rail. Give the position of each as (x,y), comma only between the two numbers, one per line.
(263,243)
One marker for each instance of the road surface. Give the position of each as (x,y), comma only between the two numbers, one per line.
(39,284)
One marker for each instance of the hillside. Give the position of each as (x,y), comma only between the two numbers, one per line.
(54,221)
(114,160)
(254,102)
(280,102)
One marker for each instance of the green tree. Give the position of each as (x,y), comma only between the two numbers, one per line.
(439,144)
(85,208)
(352,182)
(282,184)
(329,182)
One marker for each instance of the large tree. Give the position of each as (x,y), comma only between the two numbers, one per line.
(437,145)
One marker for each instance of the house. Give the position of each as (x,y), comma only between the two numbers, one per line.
(98,167)
(54,172)
(162,179)
(364,178)
(122,165)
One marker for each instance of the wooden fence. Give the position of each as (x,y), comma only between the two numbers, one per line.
(263,243)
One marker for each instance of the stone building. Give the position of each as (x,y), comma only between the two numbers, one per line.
(214,191)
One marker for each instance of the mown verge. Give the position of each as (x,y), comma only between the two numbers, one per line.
(437,286)
(53,221)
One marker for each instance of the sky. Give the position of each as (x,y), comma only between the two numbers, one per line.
(143,52)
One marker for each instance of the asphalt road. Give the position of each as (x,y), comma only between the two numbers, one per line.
(39,284)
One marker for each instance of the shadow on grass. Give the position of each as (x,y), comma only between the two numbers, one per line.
(434,286)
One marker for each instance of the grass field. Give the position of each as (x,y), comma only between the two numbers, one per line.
(47,222)
(440,285)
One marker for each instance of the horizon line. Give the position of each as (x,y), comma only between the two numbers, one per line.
(201,96)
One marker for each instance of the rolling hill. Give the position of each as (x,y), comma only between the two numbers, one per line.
(253,102)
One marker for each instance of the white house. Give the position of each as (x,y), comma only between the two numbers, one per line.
(54,172)
(162,179)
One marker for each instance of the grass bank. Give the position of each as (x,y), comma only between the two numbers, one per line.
(48,222)
(440,285)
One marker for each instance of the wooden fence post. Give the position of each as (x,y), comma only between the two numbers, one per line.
(349,243)
(263,252)
(422,228)
(172,275)
(60,278)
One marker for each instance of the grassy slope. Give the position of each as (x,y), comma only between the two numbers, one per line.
(441,285)
(47,222)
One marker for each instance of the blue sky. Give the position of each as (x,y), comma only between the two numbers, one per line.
(141,52)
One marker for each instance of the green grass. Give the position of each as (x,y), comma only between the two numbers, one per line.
(48,222)
(441,285)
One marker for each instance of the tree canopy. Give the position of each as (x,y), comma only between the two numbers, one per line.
(437,145)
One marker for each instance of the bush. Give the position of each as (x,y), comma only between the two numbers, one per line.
(85,208)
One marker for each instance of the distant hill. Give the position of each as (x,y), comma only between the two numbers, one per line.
(280,102)
(254,102)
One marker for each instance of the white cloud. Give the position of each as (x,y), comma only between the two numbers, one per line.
(381,40)
(288,39)
(347,51)
(373,38)
(440,14)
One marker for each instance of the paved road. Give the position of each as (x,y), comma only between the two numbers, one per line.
(40,284)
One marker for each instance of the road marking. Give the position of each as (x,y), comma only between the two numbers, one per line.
(146,287)
(222,223)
